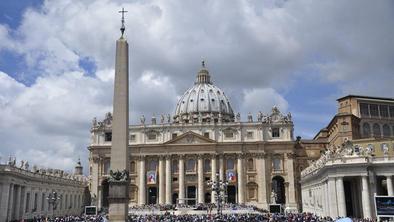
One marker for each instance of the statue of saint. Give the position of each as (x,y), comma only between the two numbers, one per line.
(273,197)
(142,119)
(250,117)
(238,117)
(168,118)
(161,118)
(153,119)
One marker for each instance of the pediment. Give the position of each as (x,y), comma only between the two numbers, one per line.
(190,138)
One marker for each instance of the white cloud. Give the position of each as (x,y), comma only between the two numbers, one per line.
(262,99)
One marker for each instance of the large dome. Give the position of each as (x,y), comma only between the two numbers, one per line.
(203,102)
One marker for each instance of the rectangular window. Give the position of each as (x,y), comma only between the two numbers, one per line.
(207,165)
(373,108)
(364,110)
(174,135)
(106,166)
(391,109)
(175,179)
(132,137)
(249,135)
(190,165)
(206,135)
(275,132)
(277,164)
(108,137)
(384,112)
(228,134)
(152,136)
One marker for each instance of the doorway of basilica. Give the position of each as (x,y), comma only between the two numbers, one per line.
(152,195)
(104,193)
(231,194)
(191,195)
(278,186)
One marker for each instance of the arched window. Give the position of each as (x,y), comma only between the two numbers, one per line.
(250,164)
(386,130)
(376,130)
(366,130)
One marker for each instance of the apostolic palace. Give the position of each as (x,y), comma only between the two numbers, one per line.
(173,157)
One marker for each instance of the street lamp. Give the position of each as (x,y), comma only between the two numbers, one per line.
(220,187)
(53,199)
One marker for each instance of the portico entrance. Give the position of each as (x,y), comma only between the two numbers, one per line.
(191,195)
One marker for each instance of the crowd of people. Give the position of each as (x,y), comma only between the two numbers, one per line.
(98,218)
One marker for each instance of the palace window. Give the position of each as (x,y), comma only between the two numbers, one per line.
(191,165)
(252,193)
(366,130)
(384,112)
(391,110)
(249,135)
(230,164)
(206,135)
(207,165)
(275,132)
(250,164)
(386,130)
(376,130)
(108,136)
(277,164)
(373,108)
(132,137)
(364,110)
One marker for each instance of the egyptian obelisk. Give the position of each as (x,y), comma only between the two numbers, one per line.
(119,174)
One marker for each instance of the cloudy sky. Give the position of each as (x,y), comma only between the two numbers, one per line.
(57,62)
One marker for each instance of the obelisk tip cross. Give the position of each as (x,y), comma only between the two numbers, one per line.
(122,28)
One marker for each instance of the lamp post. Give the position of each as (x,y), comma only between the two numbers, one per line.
(219,186)
(53,199)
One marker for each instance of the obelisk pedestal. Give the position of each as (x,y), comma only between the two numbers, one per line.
(119,174)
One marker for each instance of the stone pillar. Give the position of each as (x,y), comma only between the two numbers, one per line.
(142,184)
(389,182)
(161,181)
(241,183)
(290,175)
(181,179)
(168,180)
(332,200)
(120,154)
(221,168)
(200,179)
(213,176)
(19,202)
(365,197)
(341,197)
(261,180)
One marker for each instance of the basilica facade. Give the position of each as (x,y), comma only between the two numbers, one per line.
(174,156)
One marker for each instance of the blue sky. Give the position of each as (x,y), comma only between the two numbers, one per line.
(57,60)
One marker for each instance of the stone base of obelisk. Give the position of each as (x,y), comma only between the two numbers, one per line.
(118,201)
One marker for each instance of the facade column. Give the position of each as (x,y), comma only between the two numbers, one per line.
(221,167)
(213,176)
(200,179)
(161,180)
(332,198)
(19,202)
(181,179)
(168,180)
(261,180)
(341,197)
(290,175)
(389,182)
(142,185)
(365,197)
(5,194)
(241,184)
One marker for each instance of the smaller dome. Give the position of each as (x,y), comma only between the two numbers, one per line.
(203,102)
